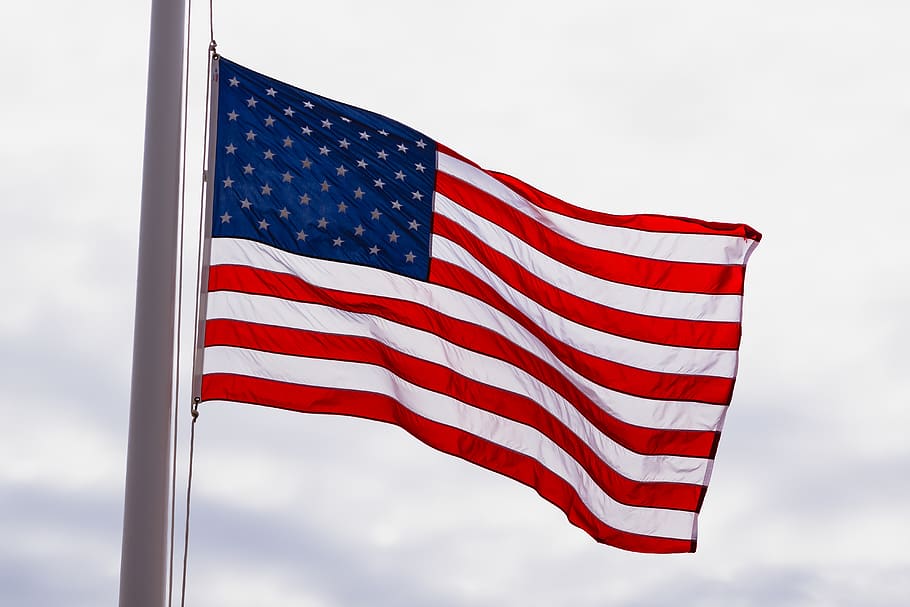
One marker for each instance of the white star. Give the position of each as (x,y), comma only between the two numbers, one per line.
(301,235)
(383,133)
(413,225)
(269,121)
(421,143)
(325,185)
(288,142)
(251,102)
(306,163)
(359,230)
(417,195)
(400,175)
(308,105)
(343,143)
(378,183)
(341,171)
(284,213)
(342,208)
(361,164)
(382,155)
(393,237)
(306,130)
(266,190)
(263,225)
(326,124)
(322,223)
(248,169)
(286,177)
(402,148)
(271,92)
(420,167)
(410,257)
(230,148)
(358,193)
(345,118)
(375,213)
(396,205)
(305,199)
(228,182)
(323,151)
(250,135)
(234,82)
(374,250)
(245,203)
(232,115)
(268,154)
(364,135)
(226,218)
(288,111)
(337,242)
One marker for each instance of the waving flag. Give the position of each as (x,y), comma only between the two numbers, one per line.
(358,267)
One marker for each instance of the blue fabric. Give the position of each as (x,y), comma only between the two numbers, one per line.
(320,178)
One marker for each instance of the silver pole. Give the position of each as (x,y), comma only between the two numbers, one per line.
(143,574)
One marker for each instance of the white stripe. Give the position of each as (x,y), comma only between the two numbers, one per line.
(369,281)
(442,409)
(699,248)
(642,355)
(640,300)
(491,371)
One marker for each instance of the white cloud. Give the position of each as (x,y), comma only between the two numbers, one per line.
(788,116)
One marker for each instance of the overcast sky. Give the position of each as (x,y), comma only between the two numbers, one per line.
(793,117)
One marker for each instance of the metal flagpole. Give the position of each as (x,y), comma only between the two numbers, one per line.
(143,571)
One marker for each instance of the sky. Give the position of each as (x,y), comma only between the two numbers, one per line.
(793,117)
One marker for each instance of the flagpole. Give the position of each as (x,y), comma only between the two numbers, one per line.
(143,574)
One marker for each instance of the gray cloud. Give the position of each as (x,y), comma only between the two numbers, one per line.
(789,116)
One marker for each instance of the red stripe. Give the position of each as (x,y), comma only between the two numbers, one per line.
(648,223)
(689,443)
(652,329)
(440,379)
(450,440)
(712,279)
(616,376)
(441,149)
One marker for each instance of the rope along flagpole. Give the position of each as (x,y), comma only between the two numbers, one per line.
(200,263)
(179,331)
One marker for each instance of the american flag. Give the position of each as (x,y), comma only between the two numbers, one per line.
(358,267)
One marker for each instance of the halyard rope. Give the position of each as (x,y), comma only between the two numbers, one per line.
(179,331)
(194,410)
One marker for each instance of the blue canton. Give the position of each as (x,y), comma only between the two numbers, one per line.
(320,178)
